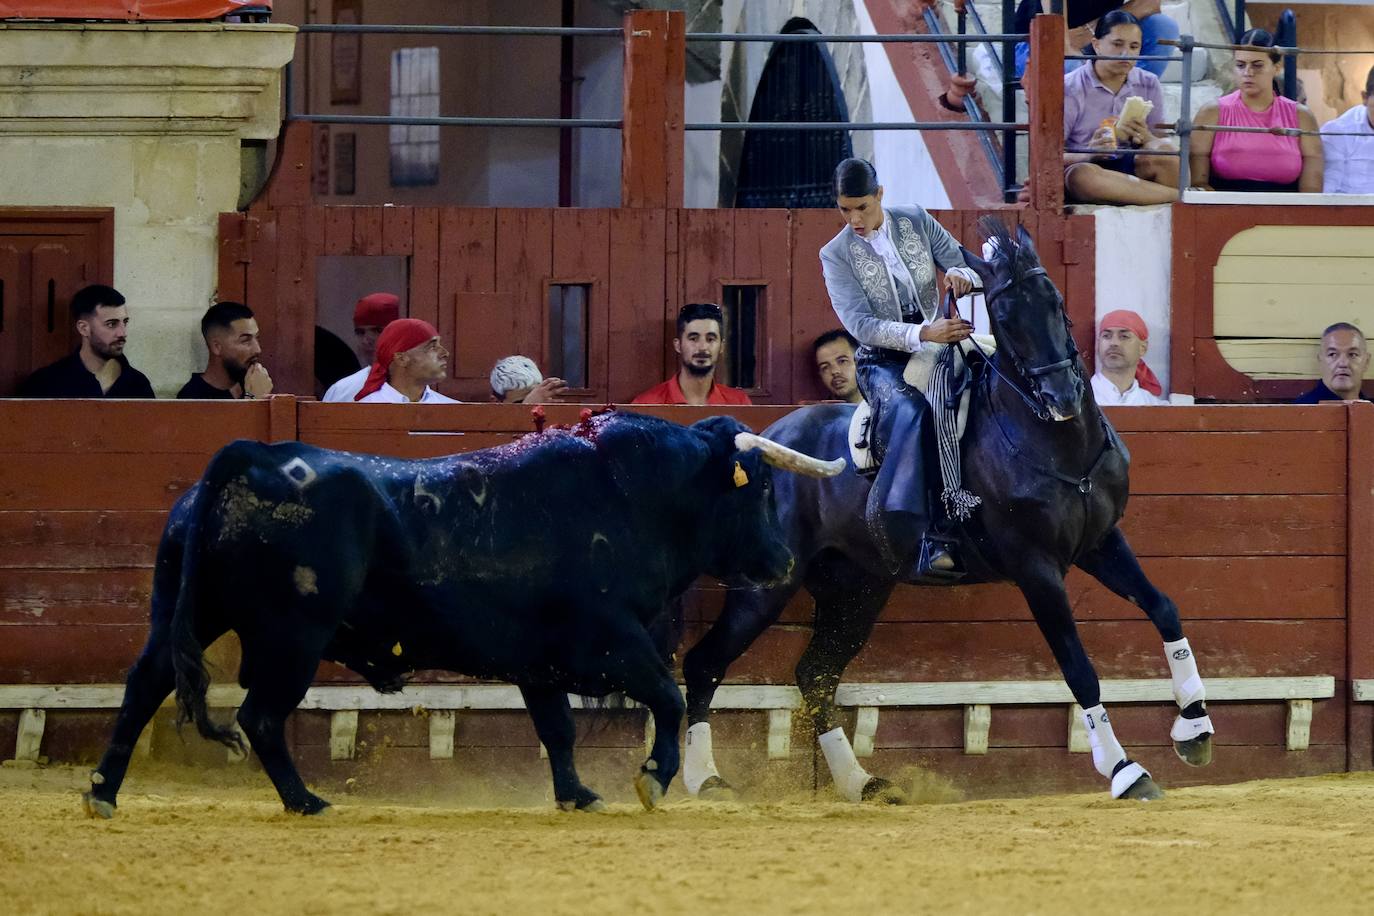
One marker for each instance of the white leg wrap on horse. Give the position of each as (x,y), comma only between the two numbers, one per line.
(1128,777)
(1107,751)
(1183,669)
(849,777)
(1188,729)
(698,763)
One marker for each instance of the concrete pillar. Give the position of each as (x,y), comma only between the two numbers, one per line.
(146,119)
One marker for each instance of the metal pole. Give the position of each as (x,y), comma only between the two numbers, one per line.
(1184,127)
(1288,28)
(565,108)
(1009,83)
(963,47)
(1240,20)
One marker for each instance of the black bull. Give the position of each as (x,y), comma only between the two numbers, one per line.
(543,563)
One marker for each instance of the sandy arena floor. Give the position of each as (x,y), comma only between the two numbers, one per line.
(186,844)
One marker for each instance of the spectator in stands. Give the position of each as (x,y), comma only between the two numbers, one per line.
(1350,160)
(1344,359)
(1122,378)
(834,352)
(234,368)
(98,368)
(517,380)
(1082,15)
(698,345)
(1256,161)
(410,358)
(1094,99)
(371,315)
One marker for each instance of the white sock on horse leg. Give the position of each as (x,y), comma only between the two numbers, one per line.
(1107,751)
(849,777)
(1183,669)
(698,763)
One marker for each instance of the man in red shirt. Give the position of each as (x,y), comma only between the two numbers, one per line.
(698,345)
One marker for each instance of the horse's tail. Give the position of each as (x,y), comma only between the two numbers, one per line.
(188,655)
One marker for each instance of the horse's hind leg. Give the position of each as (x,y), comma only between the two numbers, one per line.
(1049,604)
(1114,564)
(848,602)
(747,613)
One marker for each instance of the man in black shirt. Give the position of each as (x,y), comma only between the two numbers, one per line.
(1344,358)
(98,368)
(234,369)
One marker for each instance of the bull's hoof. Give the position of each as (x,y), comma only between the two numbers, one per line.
(649,790)
(716,789)
(1196,752)
(880,791)
(94,807)
(1144,789)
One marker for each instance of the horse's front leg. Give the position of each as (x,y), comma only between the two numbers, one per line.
(1114,564)
(1049,604)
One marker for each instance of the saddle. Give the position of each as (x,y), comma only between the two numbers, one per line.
(917,373)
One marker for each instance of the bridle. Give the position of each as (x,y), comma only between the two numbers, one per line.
(1036,399)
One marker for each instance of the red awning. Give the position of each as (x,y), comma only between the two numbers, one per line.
(126,10)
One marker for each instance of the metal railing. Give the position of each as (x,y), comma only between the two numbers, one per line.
(957,63)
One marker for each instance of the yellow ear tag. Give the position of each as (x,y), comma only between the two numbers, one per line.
(396,650)
(741,478)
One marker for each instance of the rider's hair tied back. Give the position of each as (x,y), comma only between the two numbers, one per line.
(855,178)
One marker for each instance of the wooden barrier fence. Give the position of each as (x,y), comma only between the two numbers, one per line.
(1257,520)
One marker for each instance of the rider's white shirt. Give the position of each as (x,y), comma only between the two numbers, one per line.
(1107,394)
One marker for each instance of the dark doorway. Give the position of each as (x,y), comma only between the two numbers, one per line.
(793,168)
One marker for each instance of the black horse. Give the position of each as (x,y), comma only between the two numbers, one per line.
(1053,477)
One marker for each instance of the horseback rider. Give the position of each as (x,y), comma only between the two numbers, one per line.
(880,274)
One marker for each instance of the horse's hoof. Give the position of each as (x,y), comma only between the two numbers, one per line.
(649,790)
(882,792)
(1196,752)
(716,789)
(314,805)
(94,807)
(1144,789)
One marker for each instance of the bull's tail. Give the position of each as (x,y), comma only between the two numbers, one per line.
(188,655)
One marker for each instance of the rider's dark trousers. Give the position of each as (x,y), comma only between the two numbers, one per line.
(897,512)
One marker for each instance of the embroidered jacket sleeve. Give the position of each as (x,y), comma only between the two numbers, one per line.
(856,312)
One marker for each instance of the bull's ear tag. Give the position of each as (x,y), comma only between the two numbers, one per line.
(741,478)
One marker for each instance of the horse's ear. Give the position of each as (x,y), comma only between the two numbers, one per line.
(984,269)
(1024,239)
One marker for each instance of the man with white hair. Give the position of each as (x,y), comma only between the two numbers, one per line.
(517,380)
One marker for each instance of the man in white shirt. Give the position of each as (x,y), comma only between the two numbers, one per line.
(371,315)
(410,358)
(1122,378)
(1350,159)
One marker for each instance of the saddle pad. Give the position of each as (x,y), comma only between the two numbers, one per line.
(917,374)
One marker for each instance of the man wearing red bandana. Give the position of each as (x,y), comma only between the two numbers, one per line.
(410,358)
(1122,378)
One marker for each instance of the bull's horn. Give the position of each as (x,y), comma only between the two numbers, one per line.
(780,456)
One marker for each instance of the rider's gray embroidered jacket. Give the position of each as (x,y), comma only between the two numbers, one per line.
(878,311)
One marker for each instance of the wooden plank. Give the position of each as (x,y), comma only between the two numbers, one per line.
(581,254)
(1046,116)
(338,230)
(1337,240)
(707,254)
(1282,269)
(299,244)
(398,233)
(1360,578)
(638,260)
(127,427)
(43,654)
(1223,463)
(230,276)
(1236,525)
(424,266)
(1274,357)
(524,260)
(812,313)
(759,256)
(1118,649)
(368,230)
(36,481)
(1224,418)
(89,598)
(77,539)
(1296,310)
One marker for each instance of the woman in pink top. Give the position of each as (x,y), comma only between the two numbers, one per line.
(1242,161)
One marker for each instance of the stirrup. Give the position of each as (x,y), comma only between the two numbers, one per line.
(932,545)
